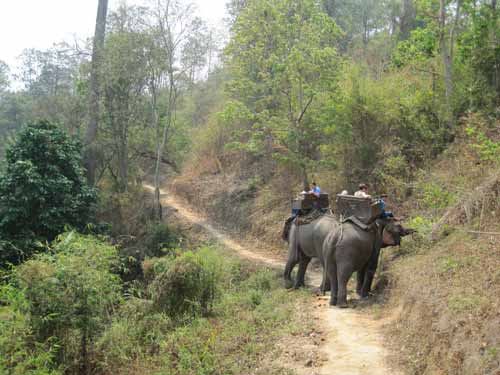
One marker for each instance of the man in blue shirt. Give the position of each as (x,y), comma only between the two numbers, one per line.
(315,190)
(385,214)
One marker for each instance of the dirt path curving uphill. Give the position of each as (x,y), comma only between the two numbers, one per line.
(353,345)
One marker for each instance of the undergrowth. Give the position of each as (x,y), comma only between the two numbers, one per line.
(196,312)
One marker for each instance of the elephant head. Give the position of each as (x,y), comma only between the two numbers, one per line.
(393,232)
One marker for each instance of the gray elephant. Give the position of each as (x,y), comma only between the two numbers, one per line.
(306,242)
(354,246)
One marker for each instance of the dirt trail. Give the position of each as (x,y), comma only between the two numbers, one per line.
(353,346)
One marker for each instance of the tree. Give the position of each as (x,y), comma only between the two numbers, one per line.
(408,19)
(175,30)
(94,112)
(124,81)
(4,76)
(42,190)
(284,64)
(53,85)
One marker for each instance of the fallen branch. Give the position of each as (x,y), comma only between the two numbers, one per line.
(470,206)
(480,232)
(164,160)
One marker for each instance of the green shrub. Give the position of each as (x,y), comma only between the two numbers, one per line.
(261,280)
(42,191)
(159,239)
(463,303)
(435,196)
(487,149)
(19,355)
(192,349)
(188,286)
(70,294)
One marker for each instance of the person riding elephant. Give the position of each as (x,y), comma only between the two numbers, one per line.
(354,246)
(304,243)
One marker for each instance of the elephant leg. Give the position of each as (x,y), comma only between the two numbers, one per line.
(290,265)
(325,282)
(303,263)
(371,268)
(343,275)
(367,285)
(361,279)
(331,273)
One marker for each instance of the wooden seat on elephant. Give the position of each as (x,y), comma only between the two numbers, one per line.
(363,209)
(310,201)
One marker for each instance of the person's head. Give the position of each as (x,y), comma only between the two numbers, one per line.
(383,197)
(314,184)
(363,187)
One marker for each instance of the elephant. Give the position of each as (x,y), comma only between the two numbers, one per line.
(354,246)
(306,242)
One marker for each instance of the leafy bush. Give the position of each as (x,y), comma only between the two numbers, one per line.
(69,294)
(435,196)
(159,239)
(42,191)
(18,354)
(188,286)
(131,337)
(262,280)
(487,149)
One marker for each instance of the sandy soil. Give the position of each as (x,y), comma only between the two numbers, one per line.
(351,341)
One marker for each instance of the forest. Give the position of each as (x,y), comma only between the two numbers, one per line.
(96,274)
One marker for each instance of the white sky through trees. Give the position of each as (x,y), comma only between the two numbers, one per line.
(41,23)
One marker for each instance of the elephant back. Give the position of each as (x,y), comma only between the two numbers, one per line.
(363,209)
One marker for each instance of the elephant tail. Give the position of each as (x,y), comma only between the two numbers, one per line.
(293,251)
(294,242)
(285,234)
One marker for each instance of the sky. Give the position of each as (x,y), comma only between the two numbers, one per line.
(41,23)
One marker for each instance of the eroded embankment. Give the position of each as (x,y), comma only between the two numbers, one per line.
(353,343)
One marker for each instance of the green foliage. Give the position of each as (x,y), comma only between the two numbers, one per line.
(160,239)
(69,294)
(464,303)
(450,264)
(284,67)
(487,149)
(134,334)
(262,280)
(19,355)
(42,191)
(4,76)
(417,49)
(188,286)
(478,49)
(435,196)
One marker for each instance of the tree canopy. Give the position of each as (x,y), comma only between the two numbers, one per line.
(42,190)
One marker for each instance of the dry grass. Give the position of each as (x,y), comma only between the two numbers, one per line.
(450,321)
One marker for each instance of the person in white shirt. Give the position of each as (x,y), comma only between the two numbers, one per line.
(362,191)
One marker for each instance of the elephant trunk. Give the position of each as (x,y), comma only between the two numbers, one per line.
(407,231)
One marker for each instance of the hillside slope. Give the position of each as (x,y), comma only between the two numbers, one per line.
(444,283)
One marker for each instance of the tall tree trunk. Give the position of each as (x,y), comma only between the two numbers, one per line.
(91,135)
(496,71)
(445,53)
(408,18)
(172,98)
(123,163)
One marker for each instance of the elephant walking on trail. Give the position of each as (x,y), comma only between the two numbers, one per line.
(354,246)
(306,242)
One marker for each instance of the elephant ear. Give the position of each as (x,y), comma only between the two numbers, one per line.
(388,239)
